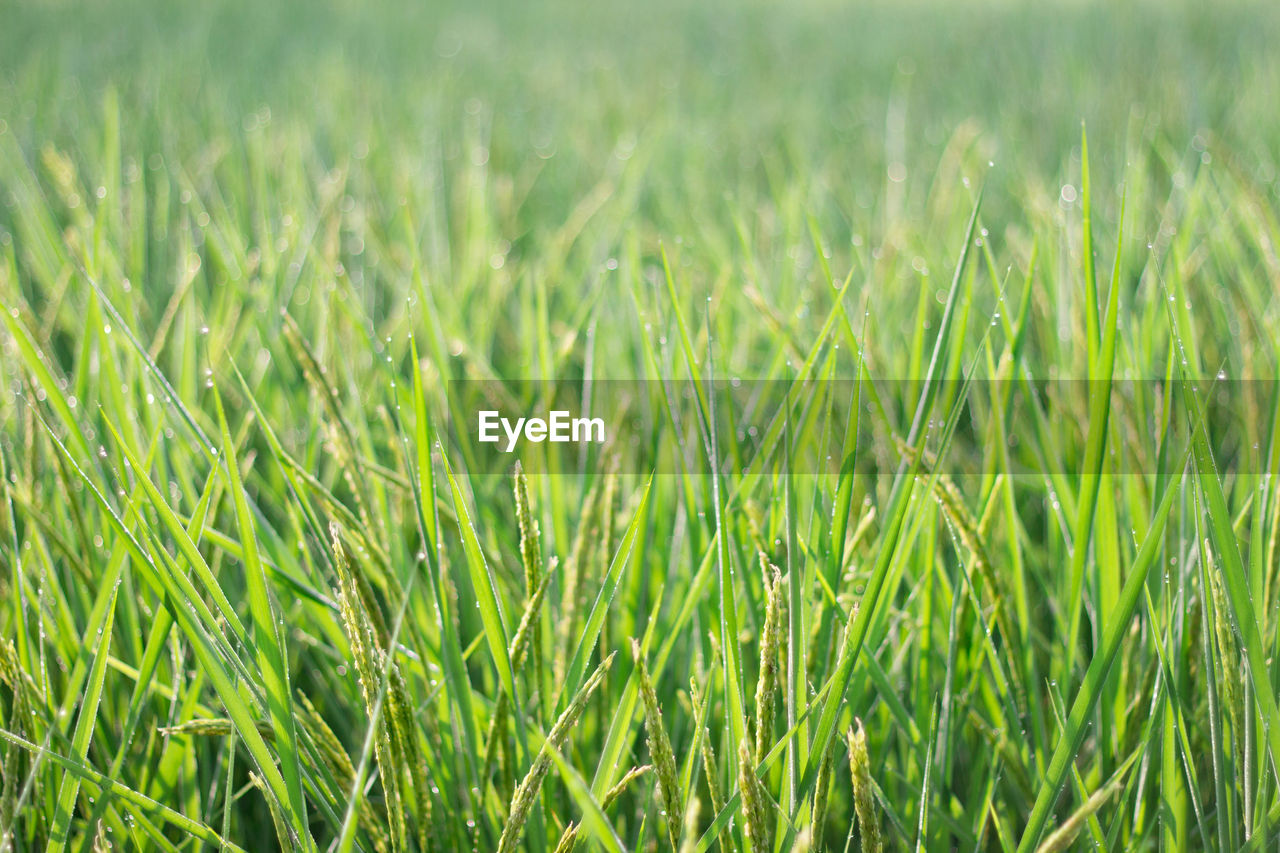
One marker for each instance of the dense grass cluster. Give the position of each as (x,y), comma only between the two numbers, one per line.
(257,591)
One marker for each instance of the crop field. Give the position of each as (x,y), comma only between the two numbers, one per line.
(639,427)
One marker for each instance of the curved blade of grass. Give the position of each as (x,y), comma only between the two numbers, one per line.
(489,601)
(731,806)
(45,380)
(593,816)
(575,673)
(70,787)
(1095,677)
(424,500)
(620,730)
(199,625)
(1063,837)
(734,707)
(922,820)
(1102,369)
(1234,576)
(178,531)
(1091,318)
(272,654)
(206,445)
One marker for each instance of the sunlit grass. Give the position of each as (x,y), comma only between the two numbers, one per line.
(255,591)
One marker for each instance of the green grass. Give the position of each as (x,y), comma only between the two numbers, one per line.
(258,590)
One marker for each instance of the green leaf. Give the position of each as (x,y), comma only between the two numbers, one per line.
(269,641)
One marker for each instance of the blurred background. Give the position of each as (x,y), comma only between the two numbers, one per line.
(718,129)
(846,85)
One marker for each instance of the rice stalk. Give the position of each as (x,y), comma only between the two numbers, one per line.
(332,752)
(972,536)
(767,685)
(526,794)
(408,750)
(403,732)
(214,727)
(277,817)
(756,807)
(342,437)
(365,657)
(574,577)
(10,675)
(531,558)
(604,550)
(821,793)
(1230,679)
(520,642)
(338,763)
(568,839)
(709,768)
(611,796)
(1062,838)
(863,799)
(664,759)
